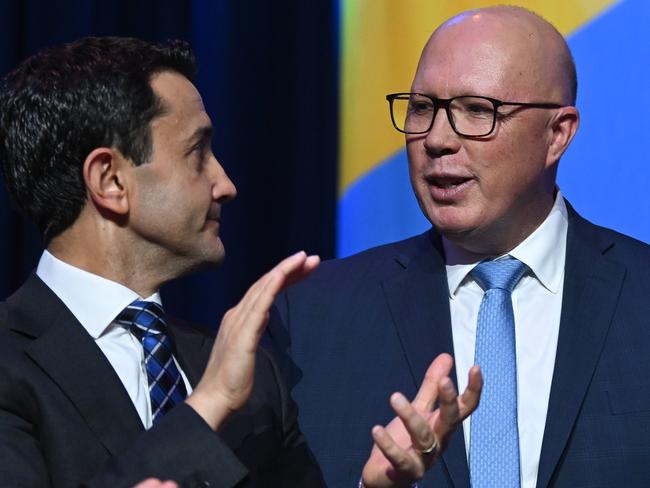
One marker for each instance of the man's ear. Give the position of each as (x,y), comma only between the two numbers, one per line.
(564,126)
(105,173)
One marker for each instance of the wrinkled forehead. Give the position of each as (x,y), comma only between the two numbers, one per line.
(480,56)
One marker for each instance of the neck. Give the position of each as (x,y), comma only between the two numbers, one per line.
(110,257)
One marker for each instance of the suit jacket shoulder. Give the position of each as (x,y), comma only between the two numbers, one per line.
(380,260)
(65,418)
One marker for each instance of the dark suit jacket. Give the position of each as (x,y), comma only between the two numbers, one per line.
(66,419)
(363,327)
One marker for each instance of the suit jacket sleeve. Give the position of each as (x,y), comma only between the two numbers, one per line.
(181,447)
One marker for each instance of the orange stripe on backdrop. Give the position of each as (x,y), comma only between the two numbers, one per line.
(381,45)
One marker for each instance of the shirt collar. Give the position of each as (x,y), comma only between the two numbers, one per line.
(93,300)
(543,251)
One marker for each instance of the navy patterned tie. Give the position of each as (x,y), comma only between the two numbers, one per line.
(494,438)
(166,388)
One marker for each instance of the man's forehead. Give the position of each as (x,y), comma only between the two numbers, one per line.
(179,97)
(176,90)
(480,68)
(473,54)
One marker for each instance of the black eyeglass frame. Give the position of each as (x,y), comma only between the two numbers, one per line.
(445,102)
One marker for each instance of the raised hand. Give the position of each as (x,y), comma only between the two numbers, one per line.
(228,378)
(410,444)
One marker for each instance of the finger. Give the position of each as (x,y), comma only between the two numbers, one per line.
(416,426)
(283,276)
(428,392)
(269,292)
(293,273)
(310,264)
(236,313)
(251,319)
(156,483)
(278,271)
(448,413)
(290,264)
(399,458)
(246,304)
(252,313)
(148,483)
(470,398)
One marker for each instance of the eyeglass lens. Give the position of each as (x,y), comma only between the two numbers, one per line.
(471,116)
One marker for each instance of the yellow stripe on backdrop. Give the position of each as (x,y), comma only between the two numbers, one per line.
(381,45)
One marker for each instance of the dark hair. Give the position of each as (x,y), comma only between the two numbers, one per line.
(65,101)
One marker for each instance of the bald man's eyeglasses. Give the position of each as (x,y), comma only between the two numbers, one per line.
(470,116)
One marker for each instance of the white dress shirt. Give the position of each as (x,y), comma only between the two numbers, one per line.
(96,302)
(537,304)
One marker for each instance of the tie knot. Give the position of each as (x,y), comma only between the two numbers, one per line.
(501,273)
(143,318)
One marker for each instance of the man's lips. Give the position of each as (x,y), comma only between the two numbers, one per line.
(213,218)
(447,181)
(214,213)
(448,188)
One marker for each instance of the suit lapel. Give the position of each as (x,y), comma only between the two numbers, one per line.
(418,298)
(192,348)
(591,290)
(69,356)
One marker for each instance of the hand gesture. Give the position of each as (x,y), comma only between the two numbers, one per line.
(228,378)
(411,443)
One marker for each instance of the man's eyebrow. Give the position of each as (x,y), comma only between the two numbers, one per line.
(203,133)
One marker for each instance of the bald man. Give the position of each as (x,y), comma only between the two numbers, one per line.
(553,308)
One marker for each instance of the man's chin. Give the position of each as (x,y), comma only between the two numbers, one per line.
(214,256)
(206,263)
(206,258)
(451,225)
(460,233)
(213,250)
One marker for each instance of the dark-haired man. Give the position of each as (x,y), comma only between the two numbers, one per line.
(553,308)
(105,145)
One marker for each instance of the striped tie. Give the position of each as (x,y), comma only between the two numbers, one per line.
(166,388)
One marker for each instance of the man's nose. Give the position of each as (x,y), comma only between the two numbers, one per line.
(441,138)
(223,189)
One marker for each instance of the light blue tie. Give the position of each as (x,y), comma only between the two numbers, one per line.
(494,439)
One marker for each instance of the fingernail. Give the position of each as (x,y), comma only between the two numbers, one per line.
(398,400)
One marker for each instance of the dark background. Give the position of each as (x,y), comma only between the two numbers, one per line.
(268,74)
